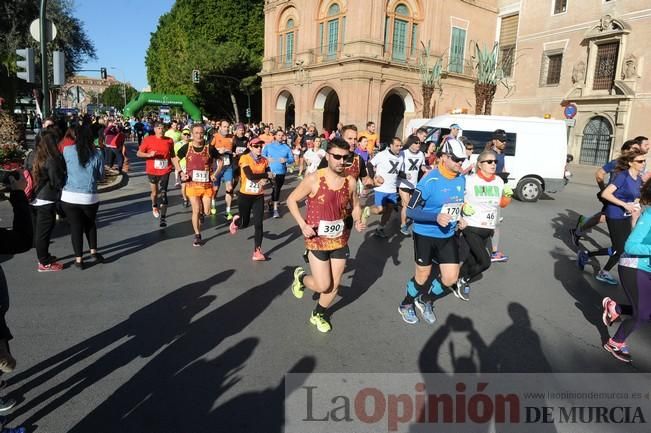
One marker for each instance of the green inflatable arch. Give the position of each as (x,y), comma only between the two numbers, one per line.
(148,98)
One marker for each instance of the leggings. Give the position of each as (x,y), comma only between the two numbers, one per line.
(82,221)
(479,258)
(252,206)
(44,221)
(278,183)
(637,286)
(619,230)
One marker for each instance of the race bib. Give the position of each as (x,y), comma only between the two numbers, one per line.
(160,164)
(452,209)
(252,187)
(331,229)
(490,219)
(227,159)
(200,176)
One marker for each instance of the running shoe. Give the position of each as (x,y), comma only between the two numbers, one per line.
(52,267)
(582,259)
(276,213)
(7,404)
(618,350)
(462,290)
(408,313)
(579,223)
(213,211)
(163,223)
(197,241)
(404,229)
(97,257)
(379,232)
(155,212)
(498,257)
(605,277)
(319,320)
(290,169)
(297,288)
(426,310)
(233,228)
(575,238)
(229,216)
(300,176)
(186,203)
(610,311)
(366,213)
(258,256)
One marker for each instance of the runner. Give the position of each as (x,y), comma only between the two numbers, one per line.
(412,162)
(199,159)
(279,155)
(158,150)
(371,137)
(186,135)
(498,145)
(223,142)
(255,175)
(384,167)
(332,210)
(266,136)
(313,156)
(486,193)
(240,143)
(298,148)
(435,208)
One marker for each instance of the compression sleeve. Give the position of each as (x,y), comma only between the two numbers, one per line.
(251,176)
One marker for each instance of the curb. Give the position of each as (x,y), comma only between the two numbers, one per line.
(120,181)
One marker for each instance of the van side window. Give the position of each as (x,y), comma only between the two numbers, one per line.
(480,138)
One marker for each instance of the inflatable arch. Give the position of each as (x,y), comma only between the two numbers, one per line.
(148,98)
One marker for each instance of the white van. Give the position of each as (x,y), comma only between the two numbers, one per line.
(536,151)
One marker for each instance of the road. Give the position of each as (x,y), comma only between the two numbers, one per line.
(165,337)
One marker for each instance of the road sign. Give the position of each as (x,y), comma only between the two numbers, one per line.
(570,110)
(35,30)
(195,75)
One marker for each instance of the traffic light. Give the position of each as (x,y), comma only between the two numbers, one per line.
(102,73)
(248,113)
(29,73)
(195,75)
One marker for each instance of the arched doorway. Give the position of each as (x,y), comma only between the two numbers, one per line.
(285,102)
(328,101)
(596,142)
(393,114)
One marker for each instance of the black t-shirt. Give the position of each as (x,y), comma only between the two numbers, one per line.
(240,143)
(183,151)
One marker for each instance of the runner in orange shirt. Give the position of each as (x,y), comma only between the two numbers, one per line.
(223,142)
(372,137)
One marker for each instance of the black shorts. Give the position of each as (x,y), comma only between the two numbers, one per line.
(324,256)
(162,181)
(428,250)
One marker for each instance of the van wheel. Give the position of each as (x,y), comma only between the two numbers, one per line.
(529,189)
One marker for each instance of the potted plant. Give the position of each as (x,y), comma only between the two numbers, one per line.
(12,149)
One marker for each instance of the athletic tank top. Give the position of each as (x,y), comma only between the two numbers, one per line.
(354,169)
(197,166)
(325,211)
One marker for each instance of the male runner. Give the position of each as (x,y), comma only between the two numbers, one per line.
(186,137)
(372,138)
(158,150)
(223,142)
(385,166)
(240,144)
(412,164)
(279,155)
(332,210)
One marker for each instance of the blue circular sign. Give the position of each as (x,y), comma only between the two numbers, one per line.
(570,111)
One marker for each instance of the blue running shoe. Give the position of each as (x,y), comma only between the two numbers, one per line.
(582,259)
(462,289)
(408,313)
(426,310)
(605,277)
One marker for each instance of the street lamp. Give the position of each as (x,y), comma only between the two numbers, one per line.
(124,85)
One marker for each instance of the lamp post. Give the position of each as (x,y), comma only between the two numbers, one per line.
(124,85)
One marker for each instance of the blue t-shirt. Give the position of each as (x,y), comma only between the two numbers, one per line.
(637,252)
(436,191)
(275,151)
(500,163)
(628,189)
(609,167)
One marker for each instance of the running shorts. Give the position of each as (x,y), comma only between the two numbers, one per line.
(324,256)
(428,250)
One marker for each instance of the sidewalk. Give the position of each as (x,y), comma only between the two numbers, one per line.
(583,174)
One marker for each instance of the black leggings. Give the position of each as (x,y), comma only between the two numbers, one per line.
(637,286)
(619,230)
(82,221)
(479,258)
(252,206)
(44,221)
(278,182)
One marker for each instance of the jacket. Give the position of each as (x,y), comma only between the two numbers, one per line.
(51,180)
(83,179)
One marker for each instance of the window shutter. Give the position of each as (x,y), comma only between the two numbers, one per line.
(457,50)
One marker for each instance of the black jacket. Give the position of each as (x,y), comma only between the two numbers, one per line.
(51,180)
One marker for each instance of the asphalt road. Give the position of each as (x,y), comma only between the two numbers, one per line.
(165,337)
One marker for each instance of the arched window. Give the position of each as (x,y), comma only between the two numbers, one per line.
(287,42)
(332,29)
(400,33)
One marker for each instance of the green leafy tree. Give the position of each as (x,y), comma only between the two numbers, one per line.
(114,95)
(225,46)
(15,18)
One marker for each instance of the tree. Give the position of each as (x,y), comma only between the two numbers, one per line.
(430,77)
(489,75)
(15,17)
(114,95)
(229,43)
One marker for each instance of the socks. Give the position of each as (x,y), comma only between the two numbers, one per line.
(228,209)
(319,309)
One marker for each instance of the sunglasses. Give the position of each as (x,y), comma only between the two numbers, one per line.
(185,133)
(640,161)
(257,146)
(338,157)
(489,161)
(456,158)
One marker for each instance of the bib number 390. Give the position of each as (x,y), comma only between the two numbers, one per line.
(452,209)
(331,229)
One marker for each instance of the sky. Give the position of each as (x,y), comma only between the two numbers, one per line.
(120,31)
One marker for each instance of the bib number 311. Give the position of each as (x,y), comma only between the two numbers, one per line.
(452,209)
(331,229)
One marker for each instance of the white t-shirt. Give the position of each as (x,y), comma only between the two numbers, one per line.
(410,164)
(484,197)
(313,159)
(387,166)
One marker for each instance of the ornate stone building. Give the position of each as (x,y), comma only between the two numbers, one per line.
(356,61)
(79,91)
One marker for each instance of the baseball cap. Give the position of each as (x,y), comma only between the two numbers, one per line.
(455,125)
(185,131)
(239,126)
(500,134)
(454,148)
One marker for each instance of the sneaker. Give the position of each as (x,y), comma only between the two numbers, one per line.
(582,259)
(155,212)
(404,229)
(462,290)
(610,311)
(213,211)
(197,241)
(163,223)
(258,256)
(276,213)
(366,213)
(574,238)
(605,277)
(7,362)
(233,228)
(426,310)
(579,223)
(499,256)
(229,216)
(320,321)
(7,404)
(80,265)
(300,176)
(52,267)
(618,350)
(290,169)
(297,288)
(186,203)
(97,257)
(408,313)
(379,232)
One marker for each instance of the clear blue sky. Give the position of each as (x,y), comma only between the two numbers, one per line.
(120,30)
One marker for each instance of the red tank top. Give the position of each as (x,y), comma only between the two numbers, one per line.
(330,206)
(200,162)
(354,169)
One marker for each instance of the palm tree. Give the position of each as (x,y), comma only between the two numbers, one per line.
(489,75)
(430,78)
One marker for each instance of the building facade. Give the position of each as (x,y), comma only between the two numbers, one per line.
(589,56)
(79,91)
(327,61)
